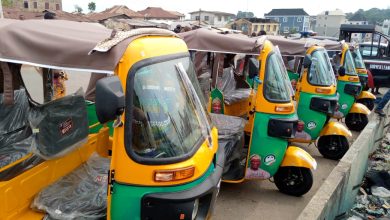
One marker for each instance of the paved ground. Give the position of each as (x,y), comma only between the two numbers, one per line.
(248,200)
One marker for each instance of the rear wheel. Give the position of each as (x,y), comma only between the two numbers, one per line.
(356,121)
(294,181)
(369,103)
(333,146)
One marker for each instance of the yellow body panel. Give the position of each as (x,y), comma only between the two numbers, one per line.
(361,71)
(348,78)
(128,171)
(262,104)
(335,128)
(297,157)
(366,95)
(237,108)
(18,193)
(359,108)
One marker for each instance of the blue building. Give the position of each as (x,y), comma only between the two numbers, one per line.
(290,20)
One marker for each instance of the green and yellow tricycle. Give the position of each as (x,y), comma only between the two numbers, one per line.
(163,161)
(265,105)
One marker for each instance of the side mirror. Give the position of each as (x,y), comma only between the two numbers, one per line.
(341,71)
(307,61)
(254,68)
(110,99)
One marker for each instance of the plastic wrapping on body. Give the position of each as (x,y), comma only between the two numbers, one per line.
(227,84)
(13,152)
(205,83)
(59,126)
(80,195)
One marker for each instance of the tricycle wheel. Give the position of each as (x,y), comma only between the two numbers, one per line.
(294,181)
(356,121)
(333,146)
(369,103)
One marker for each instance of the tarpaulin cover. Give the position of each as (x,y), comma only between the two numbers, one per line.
(80,195)
(227,84)
(59,126)
(14,129)
(230,135)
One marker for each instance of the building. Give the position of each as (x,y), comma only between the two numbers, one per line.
(386,27)
(117,12)
(214,18)
(156,13)
(255,25)
(37,5)
(21,14)
(328,22)
(181,16)
(291,20)
(358,19)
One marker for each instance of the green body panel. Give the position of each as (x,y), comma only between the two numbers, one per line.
(293,75)
(309,116)
(92,119)
(346,101)
(361,83)
(264,145)
(126,199)
(217,99)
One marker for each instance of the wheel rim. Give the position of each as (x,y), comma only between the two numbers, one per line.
(293,178)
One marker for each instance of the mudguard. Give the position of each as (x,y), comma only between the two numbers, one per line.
(336,128)
(360,109)
(297,157)
(366,95)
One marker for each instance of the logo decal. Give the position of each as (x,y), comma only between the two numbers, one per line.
(269,159)
(66,126)
(344,106)
(311,125)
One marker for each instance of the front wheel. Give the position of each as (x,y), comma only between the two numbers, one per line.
(333,146)
(369,103)
(356,121)
(294,181)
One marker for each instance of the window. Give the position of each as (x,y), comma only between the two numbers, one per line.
(349,64)
(286,29)
(275,86)
(25,4)
(46,5)
(299,19)
(255,28)
(58,7)
(385,26)
(274,28)
(197,18)
(284,19)
(297,28)
(268,27)
(206,18)
(321,72)
(277,19)
(35,4)
(219,18)
(261,27)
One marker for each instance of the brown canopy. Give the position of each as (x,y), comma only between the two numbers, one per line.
(203,39)
(59,44)
(298,47)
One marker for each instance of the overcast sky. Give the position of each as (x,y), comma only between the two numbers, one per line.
(258,7)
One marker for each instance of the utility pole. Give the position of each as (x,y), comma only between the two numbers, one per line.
(199,15)
(1,10)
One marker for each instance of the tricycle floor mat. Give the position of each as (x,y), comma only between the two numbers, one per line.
(80,195)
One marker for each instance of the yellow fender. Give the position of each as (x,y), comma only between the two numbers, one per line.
(366,95)
(297,157)
(335,128)
(359,108)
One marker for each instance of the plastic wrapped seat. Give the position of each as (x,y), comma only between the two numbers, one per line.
(80,195)
(232,91)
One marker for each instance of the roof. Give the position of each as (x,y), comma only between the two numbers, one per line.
(214,12)
(137,22)
(335,12)
(364,28)
(156,12)
(287,12)
(177,13)
(203,39)
(61,44)
(16,13)
(115,11)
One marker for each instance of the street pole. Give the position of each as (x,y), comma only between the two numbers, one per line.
(1,10)
(199,16)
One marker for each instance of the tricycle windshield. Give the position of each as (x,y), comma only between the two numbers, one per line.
(275,86)
(321,72)
(349,64)
(359,63)
(168,119)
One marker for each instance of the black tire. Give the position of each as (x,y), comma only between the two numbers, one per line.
(294,181)
(356,121)
(333,146)
(369,103)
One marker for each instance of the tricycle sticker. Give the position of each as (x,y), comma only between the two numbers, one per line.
(311,125)
(344,106)
(254,171)
(66,126)
(269,159)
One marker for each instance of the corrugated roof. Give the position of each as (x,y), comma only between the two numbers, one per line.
(287,12)
(177,13)
(16,13)
(214,12)
(115,11)
(158,13)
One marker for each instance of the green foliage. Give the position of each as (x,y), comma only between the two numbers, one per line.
(92,6)
(7,3)
(373,15)
(78,9)
(244,14)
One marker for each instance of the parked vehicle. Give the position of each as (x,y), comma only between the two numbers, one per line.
(164,161)
(266,104)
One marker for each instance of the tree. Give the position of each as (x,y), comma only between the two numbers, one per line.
(245,14)
(78,9)
(7,3)
(92,6)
